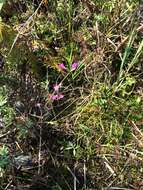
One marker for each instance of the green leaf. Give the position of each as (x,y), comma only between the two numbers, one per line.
(78,71)
(3,101)
(1,4)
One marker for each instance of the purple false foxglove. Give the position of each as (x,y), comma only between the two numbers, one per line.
(74,66)
(57,87)
(62,66)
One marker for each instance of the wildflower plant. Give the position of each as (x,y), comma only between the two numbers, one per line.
(77,69)
(57,95)
(4,160)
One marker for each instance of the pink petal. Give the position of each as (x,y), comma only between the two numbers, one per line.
(60,96)
(57,87)
(54,97)
(62,66)
(74,66)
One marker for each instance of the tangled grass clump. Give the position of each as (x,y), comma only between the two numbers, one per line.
(71,104)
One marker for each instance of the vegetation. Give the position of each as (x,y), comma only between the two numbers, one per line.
(71,103)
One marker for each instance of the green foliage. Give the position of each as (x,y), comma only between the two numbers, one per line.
(3,101)
(4,157)
(74,121)
(23,127)
(4,160)
(7,111)
(1,4)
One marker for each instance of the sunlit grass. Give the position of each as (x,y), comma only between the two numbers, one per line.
(71,100)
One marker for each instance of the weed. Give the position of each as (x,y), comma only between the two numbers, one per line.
(71,104)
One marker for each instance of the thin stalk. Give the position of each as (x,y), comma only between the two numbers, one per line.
(137,55)
(127,52)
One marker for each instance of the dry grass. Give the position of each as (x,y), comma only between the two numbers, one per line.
(91,138)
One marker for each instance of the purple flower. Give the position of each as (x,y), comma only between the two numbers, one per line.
(56,97)
(74,66)
(53,97)
(60,96)
(49,108)
(62,66)
(57,87)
